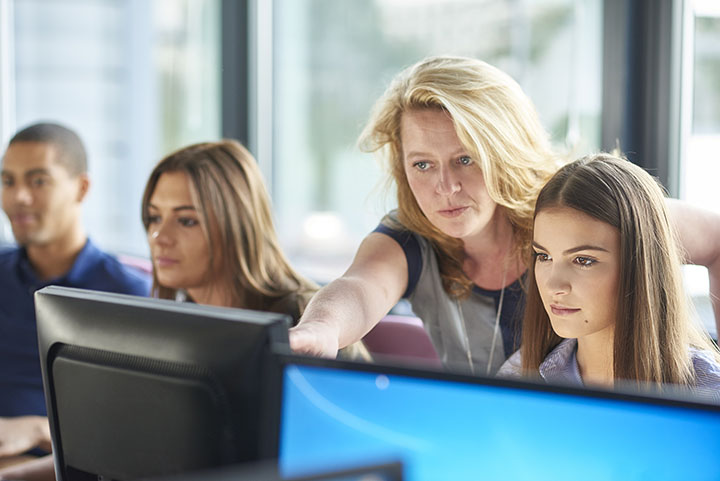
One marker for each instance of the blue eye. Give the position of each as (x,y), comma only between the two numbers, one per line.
(465,160)
(421,165)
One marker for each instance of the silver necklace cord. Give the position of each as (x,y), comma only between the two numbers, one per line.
(467,337)
(497,322)
(495,330)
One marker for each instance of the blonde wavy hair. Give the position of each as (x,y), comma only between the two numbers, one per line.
(653,327)
(497,124)
(235,213)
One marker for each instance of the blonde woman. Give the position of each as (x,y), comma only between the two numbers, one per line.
(467,173)
(605,296)
(468,156)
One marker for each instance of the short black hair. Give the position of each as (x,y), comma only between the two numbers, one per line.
(71,151)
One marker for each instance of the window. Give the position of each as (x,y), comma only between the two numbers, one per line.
(135,79)
(332,60)
(701,128)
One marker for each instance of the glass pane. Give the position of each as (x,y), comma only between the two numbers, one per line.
(333,59)
(700,168)
(134,78)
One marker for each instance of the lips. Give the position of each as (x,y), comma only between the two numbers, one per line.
(21,219)
(452,211)
(164,261)
(562,310)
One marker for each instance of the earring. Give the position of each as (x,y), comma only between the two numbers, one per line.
(155,235)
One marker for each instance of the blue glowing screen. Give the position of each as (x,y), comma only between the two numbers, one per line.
(450,430)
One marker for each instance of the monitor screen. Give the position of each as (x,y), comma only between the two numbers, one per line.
(455,427)
(139,387)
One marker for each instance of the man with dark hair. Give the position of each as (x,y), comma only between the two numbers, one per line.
(44,182)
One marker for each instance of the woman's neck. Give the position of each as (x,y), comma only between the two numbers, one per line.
(212,295)
(491,255)
(595,358)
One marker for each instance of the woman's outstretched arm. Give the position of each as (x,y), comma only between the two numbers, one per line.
(345,310)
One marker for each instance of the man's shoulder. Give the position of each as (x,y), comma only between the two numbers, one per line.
(107,273)
(8,255)
(9,274)
(7,249)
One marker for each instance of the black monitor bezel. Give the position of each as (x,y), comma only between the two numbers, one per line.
(268,471)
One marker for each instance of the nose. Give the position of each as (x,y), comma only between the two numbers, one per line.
(160,234)
(448,182)
(20,194)
(555,281)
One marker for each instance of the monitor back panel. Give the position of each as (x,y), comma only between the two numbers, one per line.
(138,387)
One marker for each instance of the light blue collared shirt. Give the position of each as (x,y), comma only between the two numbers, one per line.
(561,367)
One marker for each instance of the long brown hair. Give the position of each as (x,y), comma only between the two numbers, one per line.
(498,125)
(235,211)
(653,328)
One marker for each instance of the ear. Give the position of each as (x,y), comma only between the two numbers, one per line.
(83,187)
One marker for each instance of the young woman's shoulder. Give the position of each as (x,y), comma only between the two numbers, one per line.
(707,370)
(512,367)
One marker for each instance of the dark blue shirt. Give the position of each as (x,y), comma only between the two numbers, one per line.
(514,295)
(21,391)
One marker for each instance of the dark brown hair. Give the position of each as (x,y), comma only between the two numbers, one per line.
(653,328)
(70,149)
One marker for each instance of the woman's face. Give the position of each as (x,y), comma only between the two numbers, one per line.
(446,181)
(178,246)
(577,269)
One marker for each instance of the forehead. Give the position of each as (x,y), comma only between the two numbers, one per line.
(565,227)
(428,133)
(173,189)
(22,157)
(427,121)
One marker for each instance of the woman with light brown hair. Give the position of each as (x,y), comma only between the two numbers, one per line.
(605,298)
(211,235)
(212,240)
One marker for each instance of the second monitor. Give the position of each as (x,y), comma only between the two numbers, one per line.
(138,387)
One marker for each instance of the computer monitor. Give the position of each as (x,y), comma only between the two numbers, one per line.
(445,426)
(268,471)
(138,387)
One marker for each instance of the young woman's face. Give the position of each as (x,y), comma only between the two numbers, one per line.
(446,181)
(577,269)
(178,245)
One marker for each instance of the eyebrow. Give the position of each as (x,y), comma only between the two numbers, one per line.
(175,209)
(425,154)
(572,250)
(29,173)
(41,171)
